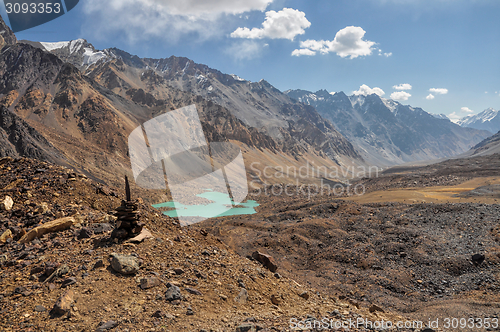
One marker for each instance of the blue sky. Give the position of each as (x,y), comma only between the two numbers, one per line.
(390,46)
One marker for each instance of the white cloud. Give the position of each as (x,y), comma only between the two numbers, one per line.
(365,90)
(404,86)
(285,24)
(137,20)
(303,51)
(454,117)
(348,42)
(440,91)
(430,97)
(400,95)
(381,53)
(245,50)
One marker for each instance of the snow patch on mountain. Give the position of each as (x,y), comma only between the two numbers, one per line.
(390,104)
(237,78)
(91,57)
(485,116)
(54,46)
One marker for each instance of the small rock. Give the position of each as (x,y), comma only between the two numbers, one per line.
(68,282)
(6,235)
(22,290)
(40,308)
(246,328)
(150,282)
(193,291)
(374,308)
(265,260)
(276,300)
(124,264)
(179,271)
(304,295)
(98,264)
(7,203)
(159,314)
(84,233)
(478,259)
(102,228)
(173,293)
(277,275)
(199,275)
(42,208)
(107,326)
(189,311)
(63,304)
(242,297)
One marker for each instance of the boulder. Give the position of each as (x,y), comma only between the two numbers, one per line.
(265,260)
(49,227)
(124,264)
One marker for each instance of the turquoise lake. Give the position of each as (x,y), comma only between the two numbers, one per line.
(218,207)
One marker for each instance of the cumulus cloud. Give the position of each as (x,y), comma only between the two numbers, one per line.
(285,24)
(169,19)
(430,96)
(365,90)
(439,91)
(348,42)
(467,110)
(400,95)
(404,86)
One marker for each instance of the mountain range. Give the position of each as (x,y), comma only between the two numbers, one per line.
(73,104)
(387,132)
(488,119)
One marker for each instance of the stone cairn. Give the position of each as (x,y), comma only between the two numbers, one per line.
(127,224)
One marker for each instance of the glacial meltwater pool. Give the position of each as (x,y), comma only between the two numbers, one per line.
(219,207)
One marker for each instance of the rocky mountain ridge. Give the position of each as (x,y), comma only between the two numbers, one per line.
(488,119)
(388,132)
(257,104)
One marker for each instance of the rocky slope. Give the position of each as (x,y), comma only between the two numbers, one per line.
(259,105)
(426,260)
(84,120)
(178,280)
(388,132)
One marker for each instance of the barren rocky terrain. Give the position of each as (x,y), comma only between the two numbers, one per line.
(423,260)
(182,279)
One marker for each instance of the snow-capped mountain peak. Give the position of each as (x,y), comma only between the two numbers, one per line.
(77,51)
(488,119)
